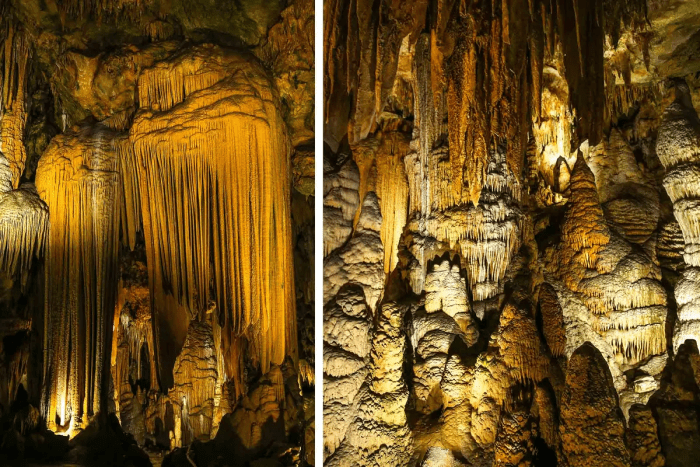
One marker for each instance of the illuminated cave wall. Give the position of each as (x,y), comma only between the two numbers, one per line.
(156,228)
(511,232)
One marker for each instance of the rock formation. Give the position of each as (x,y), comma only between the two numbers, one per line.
(545,248)
(156,231)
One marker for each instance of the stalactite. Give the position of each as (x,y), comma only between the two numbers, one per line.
(213,183)
(486,235)
(23,230)
(382,170)
(479,79)
(102,9)
(78,179)
(621,98)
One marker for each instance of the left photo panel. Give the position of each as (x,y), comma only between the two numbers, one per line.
(157,232)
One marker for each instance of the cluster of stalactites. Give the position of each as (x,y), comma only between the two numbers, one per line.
(23,216)
(620,99)
(102,9)
(15,50)
(24,223)
(207,181)
(480,65)
(486,235)
(77,177)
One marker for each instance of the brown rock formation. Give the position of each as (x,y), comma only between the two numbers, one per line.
(592,426)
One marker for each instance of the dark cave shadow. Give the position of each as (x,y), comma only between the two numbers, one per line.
(228,446)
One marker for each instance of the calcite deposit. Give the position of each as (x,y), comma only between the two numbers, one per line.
(530,168)
(156,232)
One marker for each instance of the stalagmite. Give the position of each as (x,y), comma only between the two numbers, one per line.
(552,320)
(643,440)
(195,381)
(619,283)
(592,428)
(347,327)
(456,416)
(209,142)
(446,290)
(341,200)
(514,444)
(678,147)
(675,408)
(379,434)
(361,260)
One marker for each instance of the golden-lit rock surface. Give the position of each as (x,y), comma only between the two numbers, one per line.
(592,425)
(546,249)
(78,179)
(157,231)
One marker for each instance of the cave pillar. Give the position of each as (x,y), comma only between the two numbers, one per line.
(678,148)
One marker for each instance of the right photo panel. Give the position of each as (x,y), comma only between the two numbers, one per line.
(511,212)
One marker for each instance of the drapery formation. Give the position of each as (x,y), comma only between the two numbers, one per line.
(207,182)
